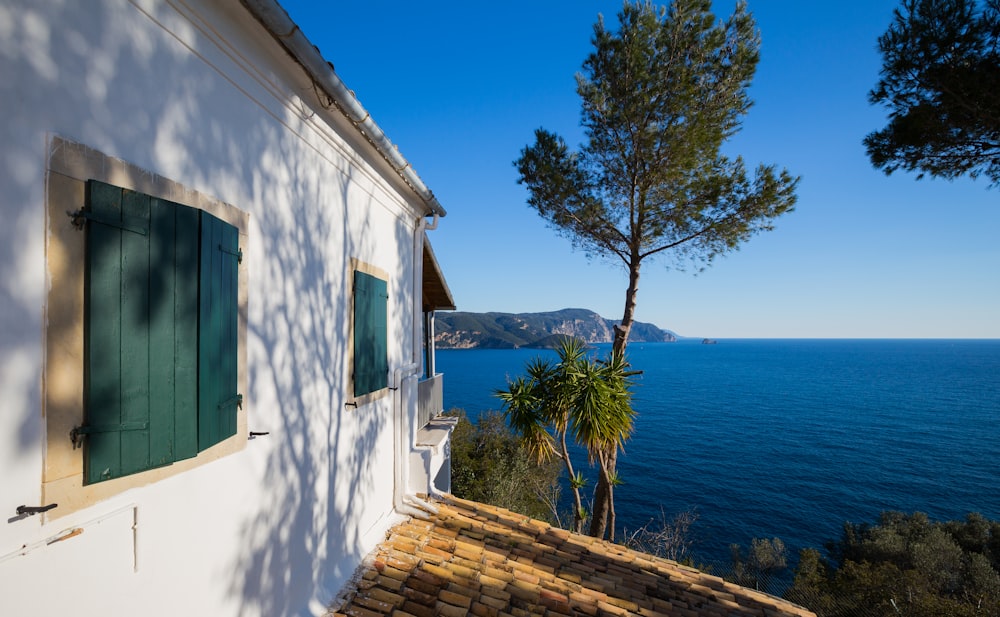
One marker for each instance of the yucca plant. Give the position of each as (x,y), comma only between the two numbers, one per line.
(578,396)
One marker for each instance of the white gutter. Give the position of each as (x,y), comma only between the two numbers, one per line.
(403,501)
(274,18)
(400,432)
(418,296)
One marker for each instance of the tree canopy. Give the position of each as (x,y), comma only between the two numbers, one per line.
(940,80)
(904,565)
(660,97)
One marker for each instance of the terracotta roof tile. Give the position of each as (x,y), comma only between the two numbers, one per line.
(468,558)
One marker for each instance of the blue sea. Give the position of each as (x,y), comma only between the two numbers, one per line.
(790,438)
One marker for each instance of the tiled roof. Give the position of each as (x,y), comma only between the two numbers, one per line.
(470,558)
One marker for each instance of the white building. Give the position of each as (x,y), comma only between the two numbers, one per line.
(215,288)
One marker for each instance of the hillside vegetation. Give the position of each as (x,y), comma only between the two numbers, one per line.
(459,330)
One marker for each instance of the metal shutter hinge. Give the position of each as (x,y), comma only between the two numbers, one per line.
(238,253)
(78,433)
(80,217)
(236,400)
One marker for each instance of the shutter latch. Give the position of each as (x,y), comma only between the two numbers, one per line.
(32,510)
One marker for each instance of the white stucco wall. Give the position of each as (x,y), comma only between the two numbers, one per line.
(201,96)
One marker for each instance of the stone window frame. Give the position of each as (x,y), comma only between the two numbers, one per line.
(69,166)
(357,265)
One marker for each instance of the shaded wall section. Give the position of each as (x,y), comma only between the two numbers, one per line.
(207,100)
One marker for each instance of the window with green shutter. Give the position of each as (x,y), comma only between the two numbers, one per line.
(160,332)
(371,358)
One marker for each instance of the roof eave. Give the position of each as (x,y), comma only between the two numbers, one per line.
(437,295)
(286,32)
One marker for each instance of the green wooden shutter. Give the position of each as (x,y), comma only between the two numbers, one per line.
(174,333)
(371,360)
(218,336)
(103,291)
(160,329)
(140,329)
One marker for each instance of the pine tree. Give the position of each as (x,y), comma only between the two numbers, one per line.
(659,99)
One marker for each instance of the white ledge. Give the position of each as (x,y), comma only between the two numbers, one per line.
(436,432)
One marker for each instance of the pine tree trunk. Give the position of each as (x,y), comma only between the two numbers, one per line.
(622,330)
(604,507)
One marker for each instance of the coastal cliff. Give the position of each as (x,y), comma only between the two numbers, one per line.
(459,330)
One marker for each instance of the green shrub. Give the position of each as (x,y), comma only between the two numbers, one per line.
(904,565)
(490,464)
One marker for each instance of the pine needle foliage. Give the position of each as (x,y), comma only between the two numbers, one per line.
(940,81)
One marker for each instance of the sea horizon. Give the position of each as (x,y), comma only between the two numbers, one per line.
(686,338)
(791,437)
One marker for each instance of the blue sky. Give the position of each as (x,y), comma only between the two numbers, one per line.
(460,88)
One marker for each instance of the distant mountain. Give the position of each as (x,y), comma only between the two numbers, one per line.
(457,330)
